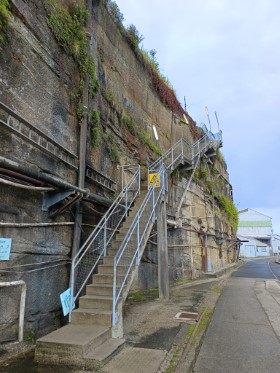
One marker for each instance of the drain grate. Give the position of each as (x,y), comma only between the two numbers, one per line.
(190,317)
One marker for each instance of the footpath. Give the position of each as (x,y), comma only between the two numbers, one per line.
(244,332)
(155,340)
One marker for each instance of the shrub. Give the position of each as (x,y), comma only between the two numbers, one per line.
(111,148)
(95,127)
(68,28)
(130,123)
(93,82)
(200,175)
(115,12)
(133,36)
(144,139)
(5,15)
(229,208)
(154,148)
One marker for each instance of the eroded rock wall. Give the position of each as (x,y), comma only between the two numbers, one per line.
(41,83)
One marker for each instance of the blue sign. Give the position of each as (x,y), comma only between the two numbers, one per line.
(5,248)
(65,301)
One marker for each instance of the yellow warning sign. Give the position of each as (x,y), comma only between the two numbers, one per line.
(154,178)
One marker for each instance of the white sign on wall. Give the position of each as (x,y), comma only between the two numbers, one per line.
(65,301)
(5,248)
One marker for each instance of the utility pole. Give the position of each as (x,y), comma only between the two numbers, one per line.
(163,271)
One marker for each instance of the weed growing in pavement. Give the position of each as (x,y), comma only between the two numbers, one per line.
(216,289)
(141,296)
(173,361)
(31,338)
(202,324)
(183,281)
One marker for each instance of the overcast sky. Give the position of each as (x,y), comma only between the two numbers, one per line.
(225,54)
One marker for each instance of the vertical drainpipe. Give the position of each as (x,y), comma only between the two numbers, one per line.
(83,146)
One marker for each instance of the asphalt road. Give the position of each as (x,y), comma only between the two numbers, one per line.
(259,268)
(243,335)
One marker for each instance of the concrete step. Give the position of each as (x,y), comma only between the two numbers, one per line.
(120,236)
(101,278)
(109,260)
(99,289)
(105,279)
(116,244)
(96,301)
(125,226)
(69,344)
(109,269)
(92,316)
(106,350)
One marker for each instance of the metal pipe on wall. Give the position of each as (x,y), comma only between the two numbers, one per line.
(22,304)
(52,180)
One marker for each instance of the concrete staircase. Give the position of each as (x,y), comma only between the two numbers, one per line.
(87,341)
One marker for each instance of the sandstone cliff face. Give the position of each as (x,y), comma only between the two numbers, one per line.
(41,85)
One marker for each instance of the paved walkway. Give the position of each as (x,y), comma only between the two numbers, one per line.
(244,330)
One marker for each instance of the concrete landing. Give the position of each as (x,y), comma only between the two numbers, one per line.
(85,346)
(136,360)
(78,335)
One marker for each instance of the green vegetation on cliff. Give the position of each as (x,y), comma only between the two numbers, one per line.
(5,15)
(160,82)
(208,177)
(68,30)
(229,209)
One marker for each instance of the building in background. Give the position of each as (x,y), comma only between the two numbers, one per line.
(275,243)
(256,234)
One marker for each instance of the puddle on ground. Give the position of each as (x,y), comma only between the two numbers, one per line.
(197,298)
(160,340)
(27,365)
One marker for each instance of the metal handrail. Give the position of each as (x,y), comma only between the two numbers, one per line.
(128,253)
(182,150)
(97,244)
(171,156)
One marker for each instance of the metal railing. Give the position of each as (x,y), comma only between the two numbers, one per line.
(183,151)
(179,151)
(129,253)
(98,243)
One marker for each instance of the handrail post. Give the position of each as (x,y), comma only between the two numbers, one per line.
(126,203)
(139,179)
(182,149)
(122,177)
(72,287)
(114,292)
(153,204)
(21,311)
(105,236)
(138,241)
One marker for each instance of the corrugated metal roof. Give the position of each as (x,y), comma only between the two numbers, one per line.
(254,224)
(251,212)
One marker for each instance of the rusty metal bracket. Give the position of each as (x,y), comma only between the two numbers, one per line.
(51,198)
